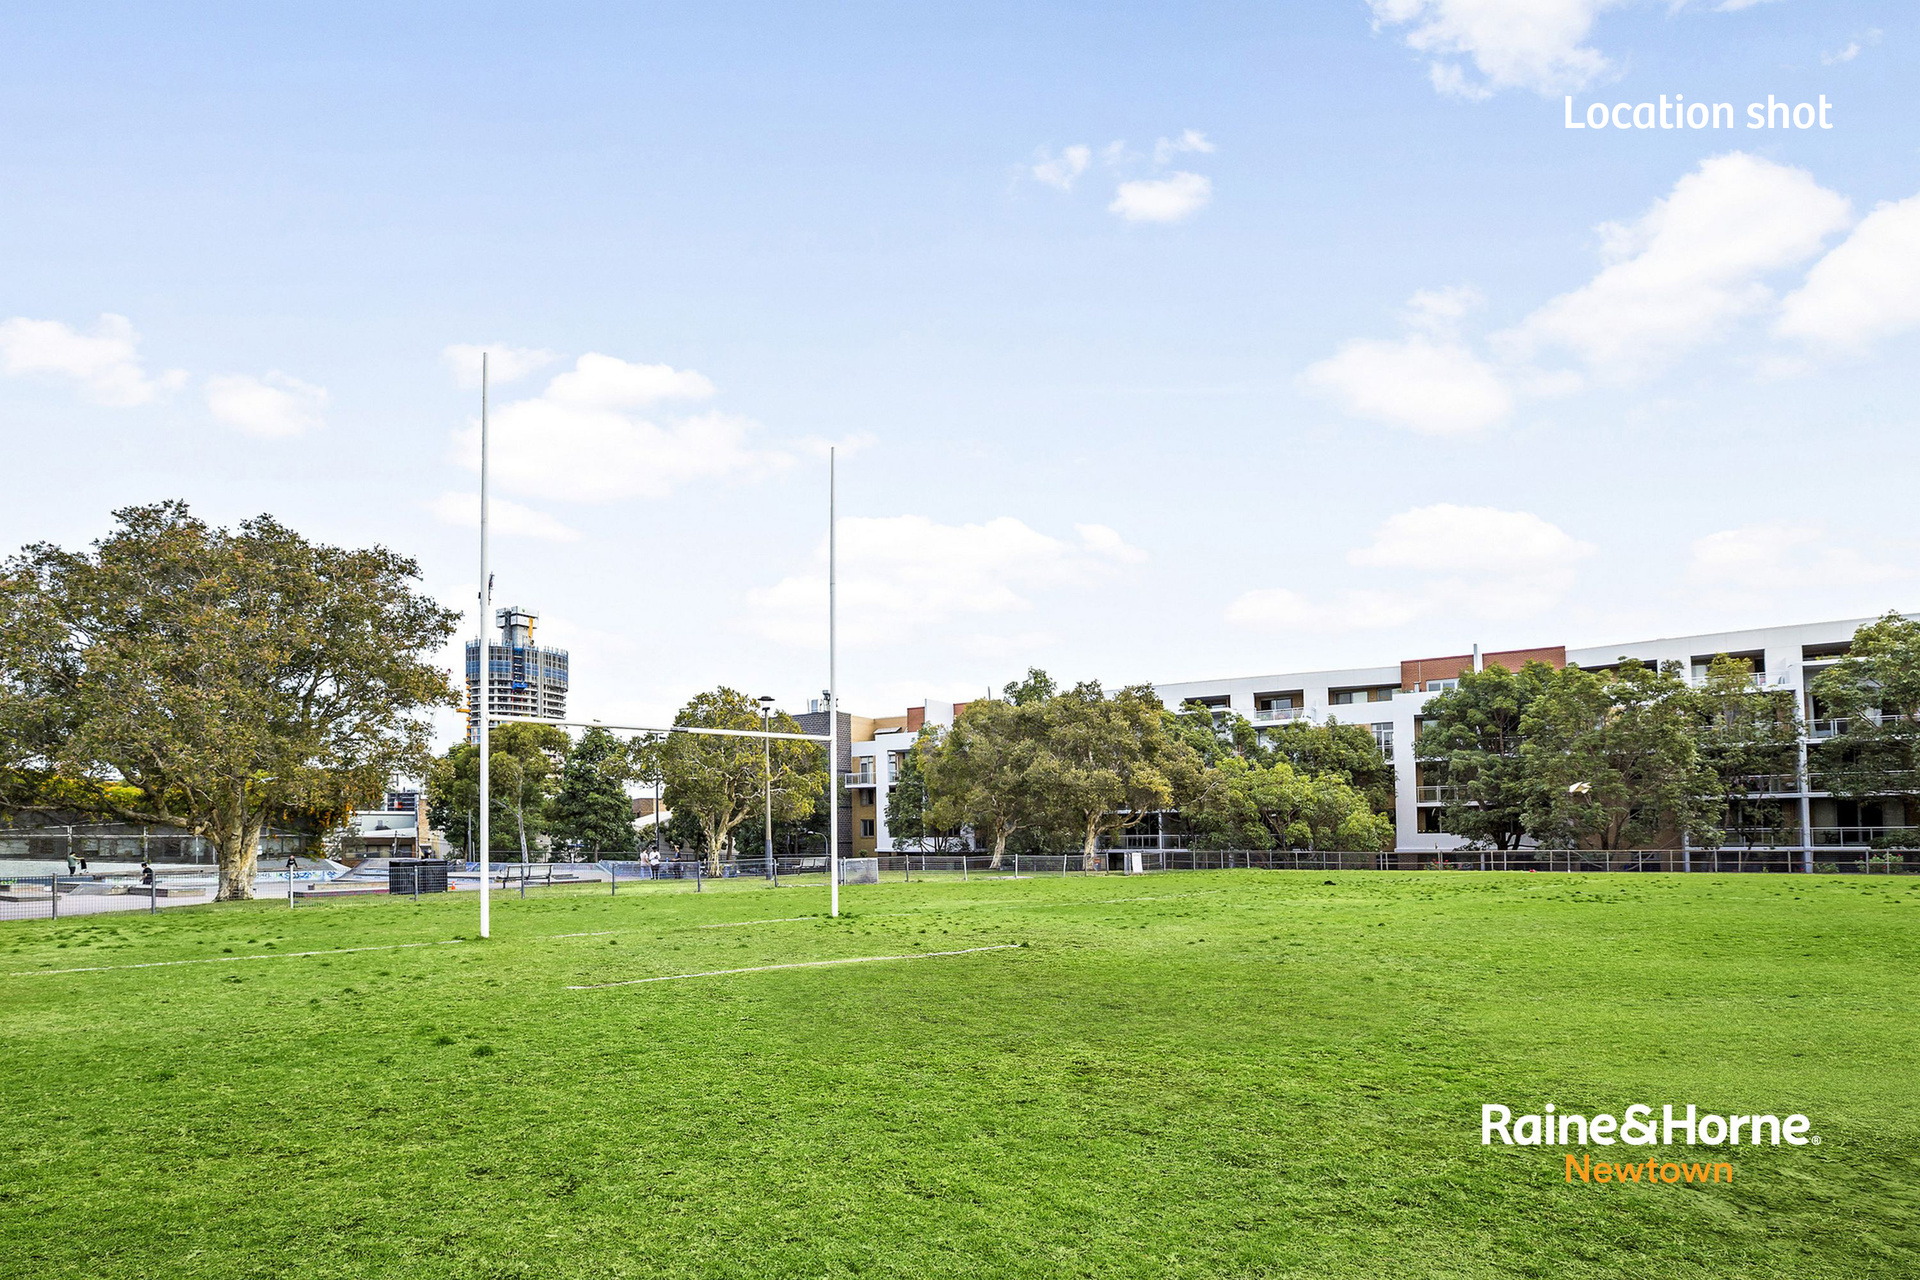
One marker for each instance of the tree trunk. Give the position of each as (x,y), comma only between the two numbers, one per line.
(999,849)
(237,845)
(1090,859)
(520,820)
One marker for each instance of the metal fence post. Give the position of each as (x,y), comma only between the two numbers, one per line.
(613,879)
(53,881)
(699,874)
(153,896)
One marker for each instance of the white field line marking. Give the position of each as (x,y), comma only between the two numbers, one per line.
(271,955)
(279,955)
(803,964)
(735,924)
(1022,902)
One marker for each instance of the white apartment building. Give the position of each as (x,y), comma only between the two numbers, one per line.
(1389,700)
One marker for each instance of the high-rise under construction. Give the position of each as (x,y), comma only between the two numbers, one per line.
(523,679)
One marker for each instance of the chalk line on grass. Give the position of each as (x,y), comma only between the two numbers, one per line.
(802,964)
(735,924)
(270,955)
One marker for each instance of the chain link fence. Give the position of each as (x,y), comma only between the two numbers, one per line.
(41,894)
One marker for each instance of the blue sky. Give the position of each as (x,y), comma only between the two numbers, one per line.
(1162,341)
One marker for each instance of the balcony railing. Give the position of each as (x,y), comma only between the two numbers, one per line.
(1270,714)
(1862,836)
(1439,794)
(860,778)
(1759,679)
(1830,728)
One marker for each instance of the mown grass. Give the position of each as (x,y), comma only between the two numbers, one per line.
(1196,1075)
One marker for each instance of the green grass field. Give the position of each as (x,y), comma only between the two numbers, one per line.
(1192,1075)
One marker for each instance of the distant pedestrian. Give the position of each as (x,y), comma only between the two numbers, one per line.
(83,862)
(146,874)
(73,864)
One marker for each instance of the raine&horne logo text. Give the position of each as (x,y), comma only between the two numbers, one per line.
(1636,1127)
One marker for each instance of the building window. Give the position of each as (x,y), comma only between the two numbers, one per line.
(866,828)
(1382,734)
(1440,686)
(1429,822)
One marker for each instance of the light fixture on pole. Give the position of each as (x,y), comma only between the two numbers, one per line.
(766,746)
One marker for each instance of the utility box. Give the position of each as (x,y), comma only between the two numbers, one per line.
(859,871)
(416,875)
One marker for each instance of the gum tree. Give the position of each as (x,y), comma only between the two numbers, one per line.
(1471,737)
(1875,690)
(1611,759)
(1104,762)
(219,679)
(720,782)
(980,773)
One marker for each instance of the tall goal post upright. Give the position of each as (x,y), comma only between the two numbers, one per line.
(833,699)
(479,699)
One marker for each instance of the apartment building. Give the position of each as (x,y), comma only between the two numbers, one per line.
(873,747)
(1389,699)
(523,678)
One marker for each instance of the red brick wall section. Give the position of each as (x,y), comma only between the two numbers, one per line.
(1416,671)
(916,718)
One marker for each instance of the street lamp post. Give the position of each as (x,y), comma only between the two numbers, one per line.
(766,745)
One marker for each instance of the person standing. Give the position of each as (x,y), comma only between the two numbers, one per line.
(73,864)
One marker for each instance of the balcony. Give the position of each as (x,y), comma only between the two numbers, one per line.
(1760,680)
(1439,795)
(1770,784)
(1272,715)
(861,778)
(1819,729)
(1829,837)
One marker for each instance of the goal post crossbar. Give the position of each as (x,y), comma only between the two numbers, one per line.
(677,728)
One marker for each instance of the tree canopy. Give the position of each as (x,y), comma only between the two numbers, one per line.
(1872,698)
(219,679)
(718,782)
(591,811)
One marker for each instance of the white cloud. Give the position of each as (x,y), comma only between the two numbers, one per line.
(1167,199)
(1061,170)
(1444,538)
(1512,44)
(1851,50)
(1439,311)
(104,364)
(1689,268)
(900,576)
(1436,386)
(1686,273)
(510,518)
(845,446)
(504,363)
(274,405)
(1189,140)
(581,439)
(1765,558)
(1477,562)
(1277,609)
(1867,288)
(607,382)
